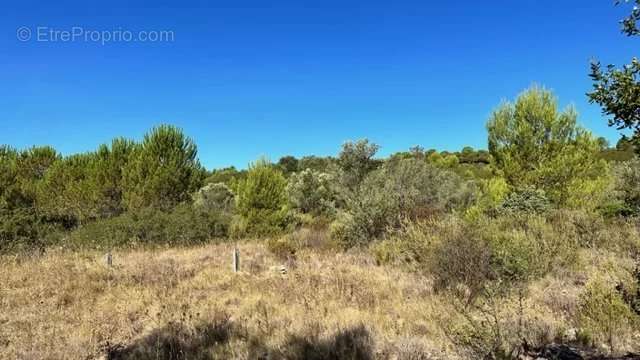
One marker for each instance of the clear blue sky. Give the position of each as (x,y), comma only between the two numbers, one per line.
(252,78)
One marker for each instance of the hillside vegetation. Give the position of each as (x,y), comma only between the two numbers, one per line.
(476,254)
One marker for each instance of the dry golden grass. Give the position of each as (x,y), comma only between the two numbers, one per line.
(189,304)
(71,305)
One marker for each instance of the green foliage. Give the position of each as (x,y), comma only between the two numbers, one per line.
(311,192)
(181,226)
(535,145)
(21,173)
(288,165)
(68,190)
(617,91)
(408,188)
(214,197)
(630,23)
(228,176)
(321,164)
(471,257)
(356,161)
(603,313)
(527,200)
(108,175)
(163,171)
(261,201)
(627,191)
(491,195)
(442,160)
(24,229)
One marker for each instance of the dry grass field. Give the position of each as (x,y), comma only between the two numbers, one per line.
(188,304)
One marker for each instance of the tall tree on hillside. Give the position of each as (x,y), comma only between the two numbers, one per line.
(534,144)
(163,171)
(617,90)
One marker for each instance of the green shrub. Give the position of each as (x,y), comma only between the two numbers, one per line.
(261,201)
(214,197)
(403,189)
(526,200)
(491,194)
(589,230)
(603,313)
(22,229)
(182,226)
(626,179)
(470,255)
(312,192)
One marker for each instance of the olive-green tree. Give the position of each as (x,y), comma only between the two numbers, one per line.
(535,144)
(356,160)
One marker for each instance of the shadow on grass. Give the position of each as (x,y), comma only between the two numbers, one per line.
(223,340)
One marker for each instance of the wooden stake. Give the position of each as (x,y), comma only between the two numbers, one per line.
(236,260)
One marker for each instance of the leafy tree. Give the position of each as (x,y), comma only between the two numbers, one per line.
(163,171)
(617,91)
(356,160)
(261,200)
(630,23)
(288,164)
(533,144)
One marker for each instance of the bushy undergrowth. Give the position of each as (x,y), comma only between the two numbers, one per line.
(183,225)
(408,188)
(484,261)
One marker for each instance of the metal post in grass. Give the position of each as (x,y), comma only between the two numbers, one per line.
(236,259)
(109,259)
